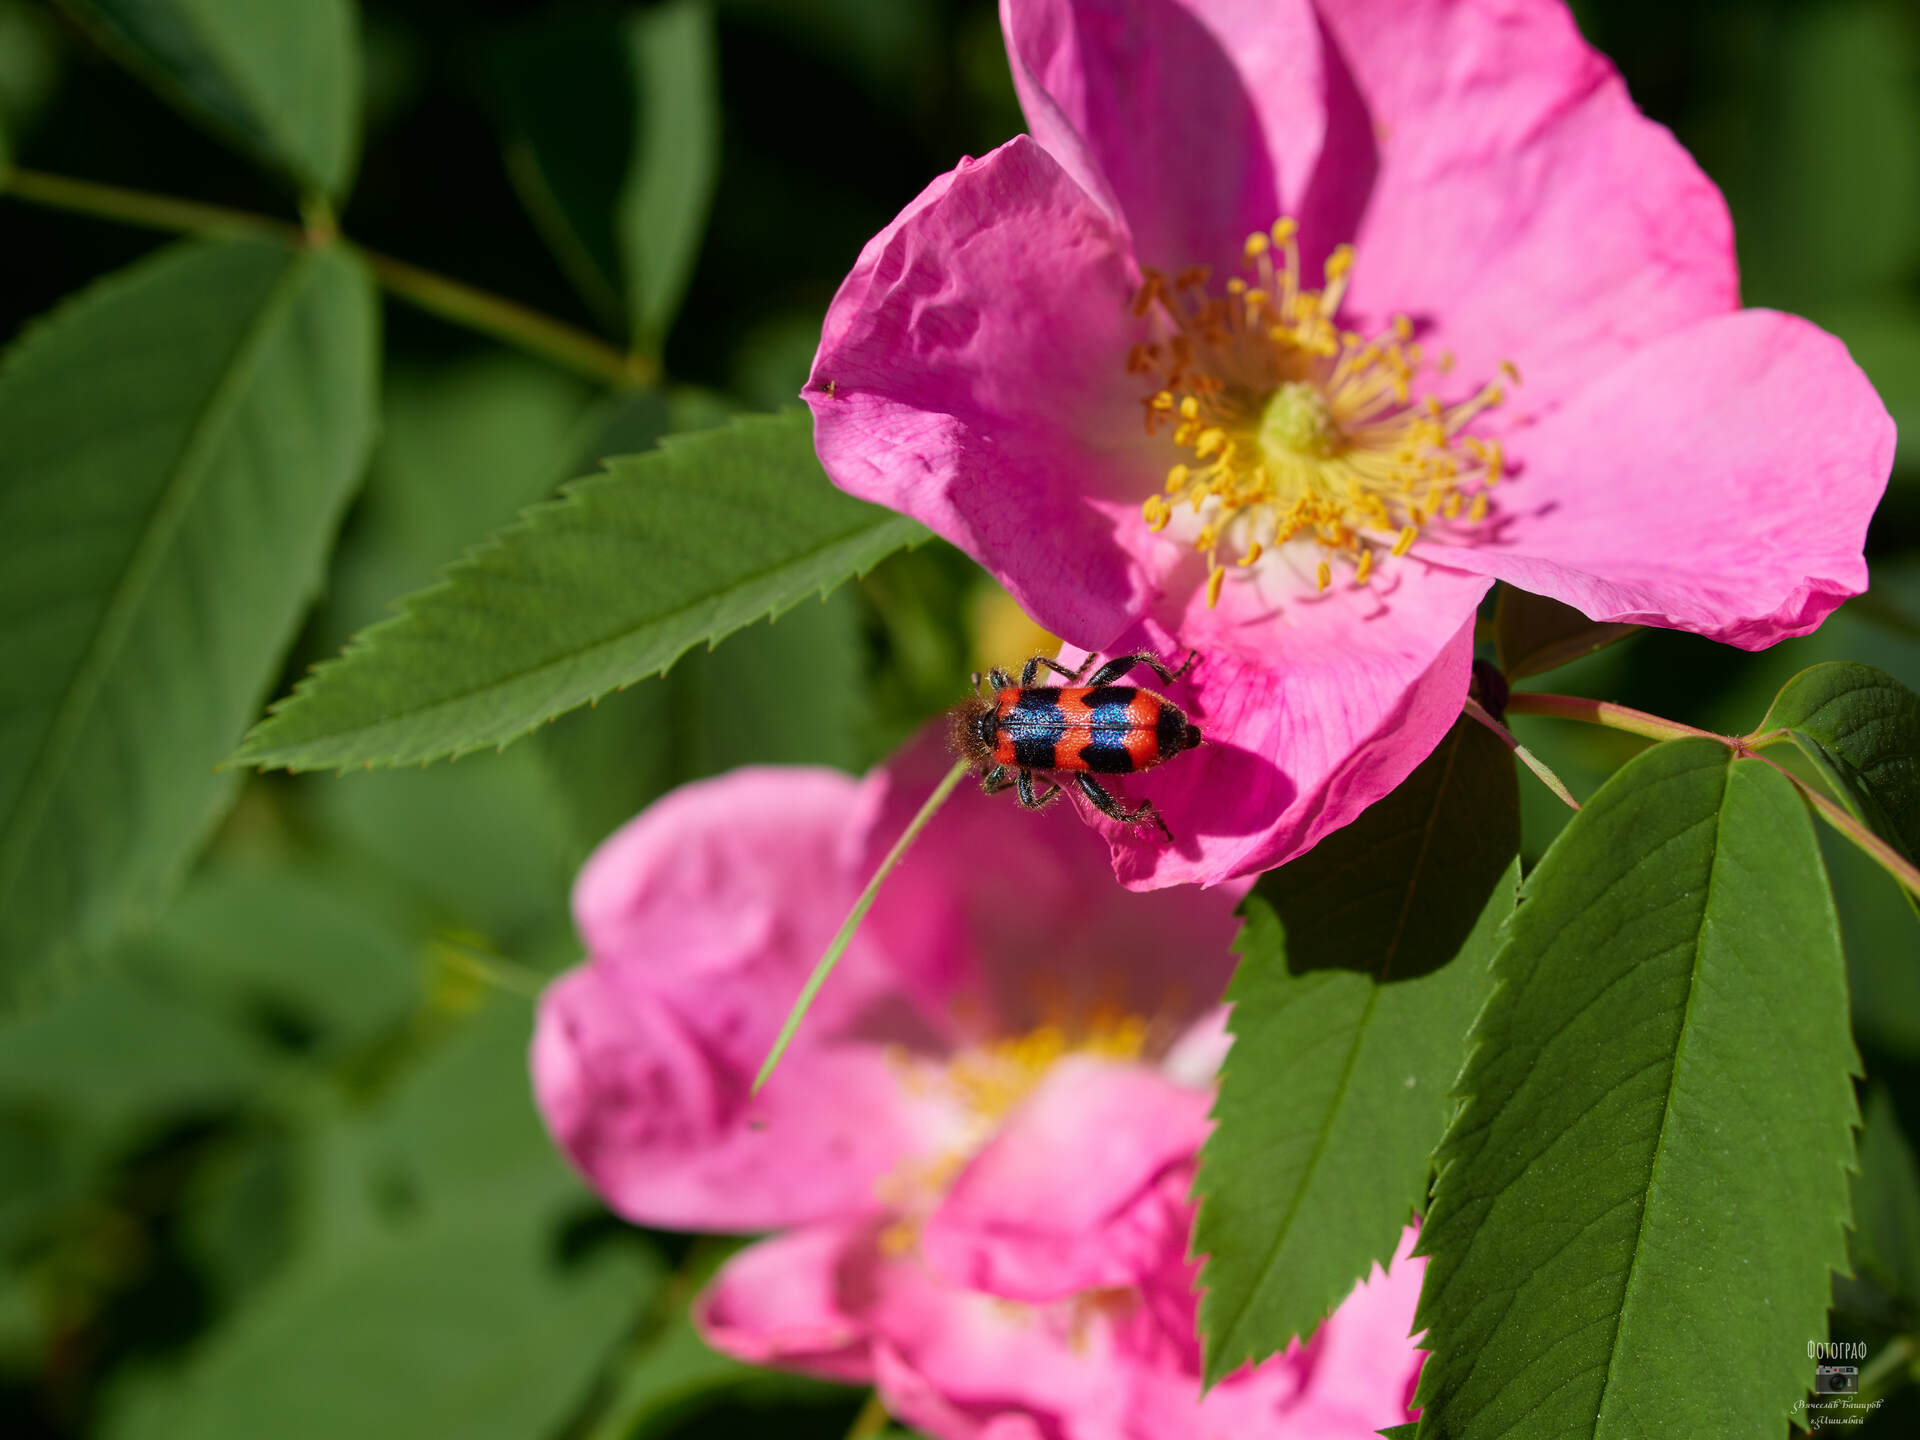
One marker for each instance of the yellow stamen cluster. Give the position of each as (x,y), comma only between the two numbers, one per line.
(987,1081)
(1297,427)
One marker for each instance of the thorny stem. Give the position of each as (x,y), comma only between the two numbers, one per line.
(463,304)
(855,916)
(1638,722)
(1526,757)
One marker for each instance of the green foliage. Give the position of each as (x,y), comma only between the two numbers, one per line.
(614,582)
(1649,1162)
(155,567)
(613,142)
(1861,729)
(1886,1205)
(1362,965)
(1534,634)
(282,80)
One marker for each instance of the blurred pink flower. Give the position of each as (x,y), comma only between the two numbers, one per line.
(979,1148)
(1334,462)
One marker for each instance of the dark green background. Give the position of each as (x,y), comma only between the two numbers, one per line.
(298,1087)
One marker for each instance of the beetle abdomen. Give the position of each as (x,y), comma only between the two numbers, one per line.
(1104,730)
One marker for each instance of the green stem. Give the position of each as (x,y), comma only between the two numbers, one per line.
(1895,1367)
(855,916)
(871,1420)
(137,207)
(1878,850)
(510,321)
(1604,712)
(1525,756)
(463,304)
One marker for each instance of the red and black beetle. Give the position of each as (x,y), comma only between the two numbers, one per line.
(1011,731)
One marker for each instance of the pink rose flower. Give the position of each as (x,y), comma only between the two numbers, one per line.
(1494,335)
(978,1151)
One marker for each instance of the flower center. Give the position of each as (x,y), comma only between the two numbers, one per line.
(983,1084)
(1297,425)
(1297,428)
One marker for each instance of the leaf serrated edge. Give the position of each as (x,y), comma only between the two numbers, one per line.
(248,752)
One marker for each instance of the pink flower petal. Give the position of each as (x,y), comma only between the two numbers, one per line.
(1066,1196)
(971,374)
(1312,710)
(779,1303)
(704,916)
(1189,119)
(1361,1366)
(1720,481)
(1000,920)
(1519,206)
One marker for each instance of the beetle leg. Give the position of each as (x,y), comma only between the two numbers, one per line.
(995,780)
(1121,664)
(1031,671)
(1098,796)
(1029,799)
(998,679)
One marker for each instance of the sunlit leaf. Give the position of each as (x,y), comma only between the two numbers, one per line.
(666,550)
(281,79)
(1362,966)
(1649,1164)
(181,440)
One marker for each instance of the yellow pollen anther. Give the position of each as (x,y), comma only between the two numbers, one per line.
(1297,428)
(1477,511)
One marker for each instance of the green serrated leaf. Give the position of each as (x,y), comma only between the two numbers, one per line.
(1649,1164)
(613,143)
(1886,1205)
(1349,1026)
(1861,728)
(1535,634)
(614,582)
(181,440)
(281,80)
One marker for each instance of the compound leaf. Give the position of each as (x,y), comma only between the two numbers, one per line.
(613,130)
(181,440)
(1861,728)
(1362,965)
(1650,1161)
(614,582)
(282,80)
